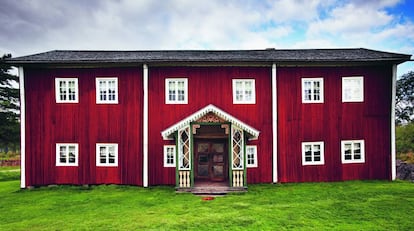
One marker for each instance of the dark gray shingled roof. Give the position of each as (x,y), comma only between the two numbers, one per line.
(159,56)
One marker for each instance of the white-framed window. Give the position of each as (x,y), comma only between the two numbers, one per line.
(107,90)
(312,90)
(353,89)
(66,90)
(251,156)
(107,155)
(67,154)
(244,91)
(353,151)
(169,155)
(176,91)
(313,153)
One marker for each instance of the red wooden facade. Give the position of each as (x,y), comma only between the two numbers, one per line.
(333,121)
(85,123)
(209,83)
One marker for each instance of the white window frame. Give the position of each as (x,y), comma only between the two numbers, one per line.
(98,90)
(251,150)
(313,162)
(107,146)
(57,90)
(349,91)
(167,91)
(252,100)
(67,145)
(169,149)
(352,160)
(321,90)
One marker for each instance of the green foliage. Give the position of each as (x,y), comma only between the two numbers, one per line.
(369,205)
(9,106)
(404,138)
(405,98)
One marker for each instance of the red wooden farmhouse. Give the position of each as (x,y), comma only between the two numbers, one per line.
(181,117)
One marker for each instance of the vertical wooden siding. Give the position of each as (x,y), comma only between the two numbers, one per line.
(333,121)
(209,85)
(85,123)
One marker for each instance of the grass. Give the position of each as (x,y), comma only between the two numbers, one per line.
(357,205)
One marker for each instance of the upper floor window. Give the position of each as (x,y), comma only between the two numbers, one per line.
(169,155)
(244,91)
(67,154)
(352,89)
(66,90)
(313,153)
(176,91)
(107,155)
(107,90)
(352,151)
(312,90)
(251,156)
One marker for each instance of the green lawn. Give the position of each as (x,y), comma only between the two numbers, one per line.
(367,205)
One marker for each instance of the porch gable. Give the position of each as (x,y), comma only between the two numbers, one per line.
(251,132)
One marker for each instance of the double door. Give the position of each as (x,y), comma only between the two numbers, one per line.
(211,160)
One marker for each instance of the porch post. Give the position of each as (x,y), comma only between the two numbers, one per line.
(237,157)
(184,147)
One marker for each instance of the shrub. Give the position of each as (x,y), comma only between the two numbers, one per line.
(405,139)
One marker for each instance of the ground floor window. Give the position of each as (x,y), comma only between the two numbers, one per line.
(251,156)
(67,154)
(352,151)
(169,155)
(107,155)
(313,153)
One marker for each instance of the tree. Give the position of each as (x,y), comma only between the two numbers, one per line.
(404,108)
(9,106)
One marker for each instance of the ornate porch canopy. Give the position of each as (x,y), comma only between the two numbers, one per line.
(250,131)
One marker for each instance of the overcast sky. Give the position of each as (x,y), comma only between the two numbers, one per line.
(34,26)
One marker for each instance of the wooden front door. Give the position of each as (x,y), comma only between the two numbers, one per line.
(211,160)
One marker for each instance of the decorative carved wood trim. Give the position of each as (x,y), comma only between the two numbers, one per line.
(195,126)
(211,118)
(226,128)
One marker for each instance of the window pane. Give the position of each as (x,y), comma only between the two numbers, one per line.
(62,154)
(308,153)
(72,154)
(111,90)
(102,155)
(171,90)
(316,90)
(62,89)
(180,91)
(111,151)
(102,90)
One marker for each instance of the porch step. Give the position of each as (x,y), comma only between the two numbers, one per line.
(206,190)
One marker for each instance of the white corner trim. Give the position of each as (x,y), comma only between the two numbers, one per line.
(145,127)
(393,100)
(22,129)
(274,121)
(200,113)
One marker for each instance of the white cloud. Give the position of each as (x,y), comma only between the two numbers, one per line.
(37,26)
(350,19)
